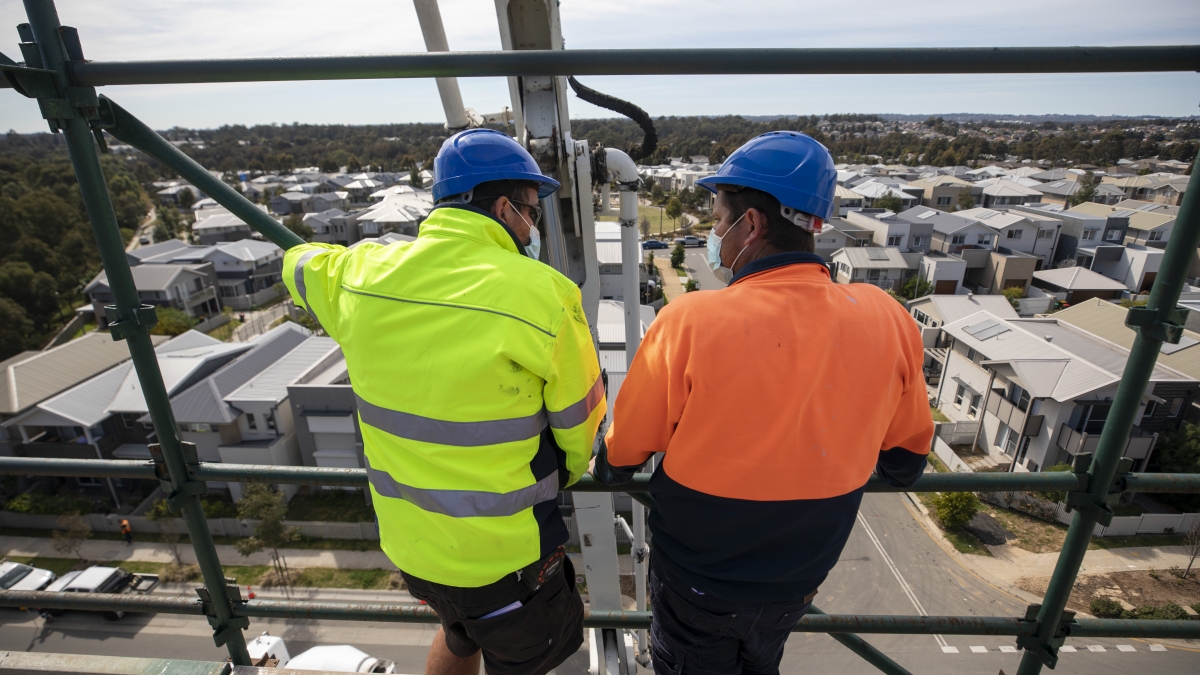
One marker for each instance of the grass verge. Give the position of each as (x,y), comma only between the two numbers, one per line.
(938,416)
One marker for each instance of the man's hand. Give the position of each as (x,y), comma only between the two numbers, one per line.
(592,466)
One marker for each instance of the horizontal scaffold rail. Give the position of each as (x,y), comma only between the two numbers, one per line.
(973,60)
(312,475)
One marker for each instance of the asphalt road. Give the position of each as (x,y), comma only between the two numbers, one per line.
(891,565)
(696,264)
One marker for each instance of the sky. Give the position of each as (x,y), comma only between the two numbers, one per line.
(152,29)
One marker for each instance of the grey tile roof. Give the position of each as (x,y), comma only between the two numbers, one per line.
(140,255)
(32,377)
(945,223)
(1078,278)
(146,277)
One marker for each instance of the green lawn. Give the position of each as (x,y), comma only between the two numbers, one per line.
(330,506)
(652,213)
(938,416)
(938,465)
(225,332)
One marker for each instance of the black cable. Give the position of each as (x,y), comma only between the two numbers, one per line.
(649,141)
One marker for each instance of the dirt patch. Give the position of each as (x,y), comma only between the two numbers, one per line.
(1136,588)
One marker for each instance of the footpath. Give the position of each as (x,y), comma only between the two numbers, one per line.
(672,288)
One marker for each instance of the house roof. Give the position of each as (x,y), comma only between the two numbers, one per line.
(1002,187)
(951,308)
(147,277)
(875,190)
(270,385)
(994,219)
(1138,220)
(941,180)
(1107,320)
(873,257)
(143,253)
(32,377)
(608,252)
(943,222)
(1078,279)
(293,196)
(217,221)
(843,192)
(1053,175)
(610,322)
(204,402)
(118,389)
(1061,188)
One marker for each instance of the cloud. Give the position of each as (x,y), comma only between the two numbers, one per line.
(146,29)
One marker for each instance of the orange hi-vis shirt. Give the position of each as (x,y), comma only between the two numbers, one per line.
(774,398)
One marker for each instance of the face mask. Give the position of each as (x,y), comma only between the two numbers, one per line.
(714,245)
(535,237)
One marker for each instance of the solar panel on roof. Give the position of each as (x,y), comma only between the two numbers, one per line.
(991,332)
(1057,184)
(927,214)
(1123,213)
(1184,343)
(980,327)
(877,254)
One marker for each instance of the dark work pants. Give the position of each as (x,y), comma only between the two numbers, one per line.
(695,634)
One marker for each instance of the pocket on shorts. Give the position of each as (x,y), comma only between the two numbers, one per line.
(516,636)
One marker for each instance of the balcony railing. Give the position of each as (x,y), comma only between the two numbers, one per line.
(1137,446)
(58,76)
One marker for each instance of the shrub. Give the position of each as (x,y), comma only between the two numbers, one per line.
(677,256)
(955,509)
(36,503)
(1167,612)
(1106,608)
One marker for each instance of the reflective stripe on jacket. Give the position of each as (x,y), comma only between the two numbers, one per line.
(478,388)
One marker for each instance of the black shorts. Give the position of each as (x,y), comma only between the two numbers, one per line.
(696,634)
(531,640)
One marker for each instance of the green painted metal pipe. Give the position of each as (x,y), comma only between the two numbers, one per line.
(313,475)
(103,602)
(1164,297)
(130,129)
(43,19)
(1134,628)
(648,62)
(864,649)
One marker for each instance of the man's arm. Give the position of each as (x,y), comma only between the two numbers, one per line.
(642,422)
(574,392)
(906,444)
(312,273)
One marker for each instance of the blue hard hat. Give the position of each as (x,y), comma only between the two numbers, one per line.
(476,156)
(788,165)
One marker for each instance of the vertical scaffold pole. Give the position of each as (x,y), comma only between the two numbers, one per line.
(1156,323)
(132,321)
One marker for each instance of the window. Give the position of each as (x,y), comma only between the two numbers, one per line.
(921,317)
(1113,235)
(894,240)
(985,239)
(958,239)
(127,420)
(1155,236)
(251,422)
(971,354)
(271,421)
(1018,396)
(1089,234)
(918,241)
(1151,406)
(1176,406)
(873,275)
(943,201)
(959,395)
(1045,234)
(1014,234)
(973,411)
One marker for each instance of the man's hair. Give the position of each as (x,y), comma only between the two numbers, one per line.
(782,233)
(486,193)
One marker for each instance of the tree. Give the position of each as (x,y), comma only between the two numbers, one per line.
(1013,295)
(955,509)
(915,287)
(414,176)
(965,200)
(674,210)
(73,530)
(15,328)
(1191,546)
(296,224)
(269,507)
(891,202)
(172,321)
(185,198)
(656,193)
(327,165)
(1179,452)
(677,256)
(1087,189)
(645,226)
(167,525)
(1056,496)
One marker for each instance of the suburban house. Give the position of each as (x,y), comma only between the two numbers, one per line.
(1039,390)
(216,225)
(1147,223)
(1134,266)
(945,272)
(1076,284)
(334,226)
(402,209)
(288,203)
(1005,192)
(1023,231)
(934,311)
(872,190)
(906,232)
(999,269)
(1058,191)
(952,233)
(169,194)
(838,234)
(189,288)
(885,267)
(1078,229)
(324,412)
(942,192)
(845,199)
(100,417)
(608,254)
(1164,188)
(248,271)
(32,377)
(324,201)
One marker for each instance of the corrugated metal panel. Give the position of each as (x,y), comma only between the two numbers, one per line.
(271,384)
(1040,377)
(1107,321)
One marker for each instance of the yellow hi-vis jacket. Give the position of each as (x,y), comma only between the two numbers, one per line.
(479,393)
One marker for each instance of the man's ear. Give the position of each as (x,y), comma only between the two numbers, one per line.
(758,222)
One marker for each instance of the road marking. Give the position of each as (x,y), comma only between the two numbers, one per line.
(1067,649)
(1157,648)
(1008,649)
(900,578)
(978,650)
(1125,648)
(1096,648)
(946,649)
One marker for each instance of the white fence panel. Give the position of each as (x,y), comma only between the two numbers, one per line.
(947,455)
(1121,526)
(1157,523)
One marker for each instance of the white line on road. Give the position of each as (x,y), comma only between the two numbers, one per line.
(899,577)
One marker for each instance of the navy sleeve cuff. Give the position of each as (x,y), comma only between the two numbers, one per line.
(607,473)
(899,467)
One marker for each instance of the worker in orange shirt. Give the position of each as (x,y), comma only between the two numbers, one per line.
(127,532)
(773,401)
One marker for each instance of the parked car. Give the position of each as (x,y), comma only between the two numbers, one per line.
(21,577)
(144,241)
(692,241)
(653,244)
(99,579)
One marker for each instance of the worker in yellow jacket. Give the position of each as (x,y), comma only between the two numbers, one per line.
(479,396)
